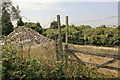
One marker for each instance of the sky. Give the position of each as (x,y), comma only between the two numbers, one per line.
(80,12)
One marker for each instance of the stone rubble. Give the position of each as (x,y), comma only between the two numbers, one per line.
(25,36)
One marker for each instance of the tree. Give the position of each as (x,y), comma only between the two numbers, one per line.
(7,26)
(54,25)
(39,28)
(20,22)
(118,27)
(9,13)
(82,27)
(102,26)
(63,26)
(35,26)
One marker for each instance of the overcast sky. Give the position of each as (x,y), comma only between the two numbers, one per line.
(87,12)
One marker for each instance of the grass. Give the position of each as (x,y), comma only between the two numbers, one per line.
(96,59)
(47,54)
(42,52)
(105,50)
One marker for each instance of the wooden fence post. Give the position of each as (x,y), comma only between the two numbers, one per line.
(59,37)
(66,42)
(66,46)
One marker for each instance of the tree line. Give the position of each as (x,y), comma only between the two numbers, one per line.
(82,35)
(86,35)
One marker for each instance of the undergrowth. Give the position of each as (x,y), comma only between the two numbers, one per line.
(18,67)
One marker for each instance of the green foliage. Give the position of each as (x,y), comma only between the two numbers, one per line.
(52,33)
(7,26)
(84,34)
(18,67)
(20,22)
(12,10)
(14,28)
(9,12)
(72,26)
(35,26)
(118,27)
(102,26)
(82,27)
(99,31)
(54,25)
(63,26)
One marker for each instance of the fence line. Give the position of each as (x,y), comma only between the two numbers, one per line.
(115,57)
(96,54)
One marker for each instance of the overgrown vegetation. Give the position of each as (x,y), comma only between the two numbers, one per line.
(15,66)
(18,67)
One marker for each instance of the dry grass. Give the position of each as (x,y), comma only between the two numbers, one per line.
(103,50)
(44,52)
(108,72)
(97,59)
(92,58)
(48,53)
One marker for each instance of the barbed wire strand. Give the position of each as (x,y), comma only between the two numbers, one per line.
(97,20)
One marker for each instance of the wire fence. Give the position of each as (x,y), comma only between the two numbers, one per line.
(106,18)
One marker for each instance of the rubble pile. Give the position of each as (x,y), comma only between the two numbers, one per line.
(24,35)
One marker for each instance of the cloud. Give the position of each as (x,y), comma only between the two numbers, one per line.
(65,1)
(36,1)
(43,5)
(49,4)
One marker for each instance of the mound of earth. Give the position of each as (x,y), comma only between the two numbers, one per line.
(25,36)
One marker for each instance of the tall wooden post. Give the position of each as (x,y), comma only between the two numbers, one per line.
(66,31)
(66,42)
(59,36)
